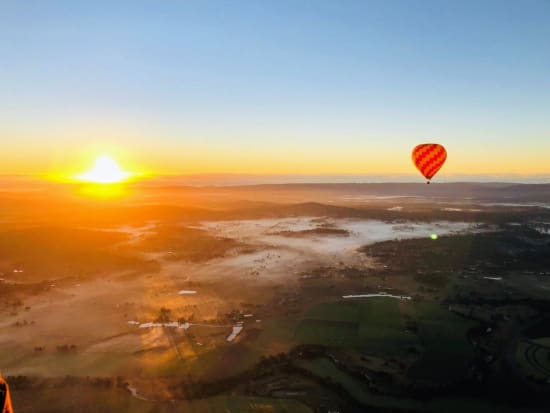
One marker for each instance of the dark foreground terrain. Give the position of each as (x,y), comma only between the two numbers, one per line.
(249,306)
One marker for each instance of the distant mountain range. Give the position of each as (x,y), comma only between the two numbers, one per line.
(258,179)
(458,191)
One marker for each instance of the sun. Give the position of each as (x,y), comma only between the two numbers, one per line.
(105,171)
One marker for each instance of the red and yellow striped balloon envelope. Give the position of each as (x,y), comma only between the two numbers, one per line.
(429,158)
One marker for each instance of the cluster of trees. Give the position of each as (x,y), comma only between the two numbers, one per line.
(21,382)
(66,348)
(23,323)
(100,382)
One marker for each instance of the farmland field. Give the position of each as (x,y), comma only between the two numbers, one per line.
(273,307)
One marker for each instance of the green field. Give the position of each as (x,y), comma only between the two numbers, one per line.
(534,358)
(377,326)
(374,325)
(443,336)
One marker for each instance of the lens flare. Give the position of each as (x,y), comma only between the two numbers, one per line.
(105,171)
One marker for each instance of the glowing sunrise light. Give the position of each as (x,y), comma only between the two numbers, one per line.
(105,171)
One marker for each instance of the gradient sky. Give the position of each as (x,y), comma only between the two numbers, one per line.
(256,86)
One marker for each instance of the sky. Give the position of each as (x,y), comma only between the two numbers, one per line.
(274,87)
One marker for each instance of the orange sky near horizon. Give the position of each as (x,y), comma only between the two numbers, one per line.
(337,159)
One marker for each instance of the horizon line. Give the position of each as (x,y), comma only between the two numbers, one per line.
(249,179)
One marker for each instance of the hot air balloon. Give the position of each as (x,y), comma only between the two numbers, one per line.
(5,401)
(429,158)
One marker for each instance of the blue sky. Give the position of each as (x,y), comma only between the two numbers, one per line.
(281,86)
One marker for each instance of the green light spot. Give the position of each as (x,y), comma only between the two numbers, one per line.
(434,236)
